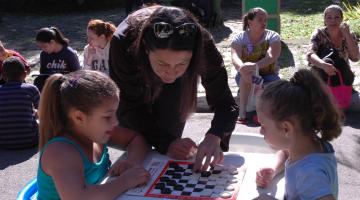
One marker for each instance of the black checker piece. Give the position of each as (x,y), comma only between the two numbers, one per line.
(183,181)
(202,182)
(171,183)
(190,185)
(205,174)
(190,166)
(187,173)
(166,191)
(164,179)
(198,189)
(179,169)
(177,175)
(160,186)
(178,187)
(173,165)
(209,186)
(170,172)
(186,193)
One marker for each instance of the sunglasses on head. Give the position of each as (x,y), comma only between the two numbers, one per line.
(165,30)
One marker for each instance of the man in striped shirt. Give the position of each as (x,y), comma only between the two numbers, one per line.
(18,106)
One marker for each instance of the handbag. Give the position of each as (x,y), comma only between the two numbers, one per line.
(342,93)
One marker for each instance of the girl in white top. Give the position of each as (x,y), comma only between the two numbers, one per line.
(96,53)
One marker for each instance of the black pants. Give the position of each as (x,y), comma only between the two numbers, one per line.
(40,80)
(344,68)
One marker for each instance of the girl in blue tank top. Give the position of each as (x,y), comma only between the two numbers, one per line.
(77,118)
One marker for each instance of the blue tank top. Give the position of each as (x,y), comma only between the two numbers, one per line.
(93,172)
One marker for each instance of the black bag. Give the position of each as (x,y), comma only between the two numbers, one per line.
(331,56)
(201,9)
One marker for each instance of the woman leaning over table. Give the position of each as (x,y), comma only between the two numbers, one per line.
(157,56)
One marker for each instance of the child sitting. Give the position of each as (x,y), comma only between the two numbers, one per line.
(18,104)
(96,52)
(6,53)
(56,55)
(77,118)
(299,118)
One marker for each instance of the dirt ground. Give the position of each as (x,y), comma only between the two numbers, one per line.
(17,31)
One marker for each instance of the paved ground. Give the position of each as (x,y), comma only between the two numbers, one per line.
(18,32)
(19,167)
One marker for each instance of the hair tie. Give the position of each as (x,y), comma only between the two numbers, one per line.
(57,84)
(74,82)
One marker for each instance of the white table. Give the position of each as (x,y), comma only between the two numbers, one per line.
(248,189)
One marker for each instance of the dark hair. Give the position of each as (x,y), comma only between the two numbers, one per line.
(101,28)
(83,89)
(147,41)
(304,98)
(250,15)
(334,7)
(13,68)
(47,34)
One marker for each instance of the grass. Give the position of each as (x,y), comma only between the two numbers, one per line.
(299,20)
(297,26)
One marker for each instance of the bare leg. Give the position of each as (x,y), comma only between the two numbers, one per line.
(245,87)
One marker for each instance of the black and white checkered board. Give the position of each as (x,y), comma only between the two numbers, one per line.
(177,181)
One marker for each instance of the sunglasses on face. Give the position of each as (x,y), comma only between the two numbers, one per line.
(164,30)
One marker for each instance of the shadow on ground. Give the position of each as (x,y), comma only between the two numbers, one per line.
(220,32)
(352,120)
(286,58)
(13,157)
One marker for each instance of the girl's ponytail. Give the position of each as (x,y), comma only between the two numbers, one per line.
(326,116)
(51,115)
(305,99)
(59,37)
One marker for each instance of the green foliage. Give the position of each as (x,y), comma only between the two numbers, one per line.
(352,16)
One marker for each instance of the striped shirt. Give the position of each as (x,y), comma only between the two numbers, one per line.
(18,126)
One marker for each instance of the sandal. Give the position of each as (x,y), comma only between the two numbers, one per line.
(255,120)
(241,120)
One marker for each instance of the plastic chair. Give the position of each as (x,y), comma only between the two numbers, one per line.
(29,192)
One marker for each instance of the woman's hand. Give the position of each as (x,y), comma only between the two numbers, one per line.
(264,176)
(247,70)
(345,29)
(182,149)
(329,69)
(208,149)
(248,67)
